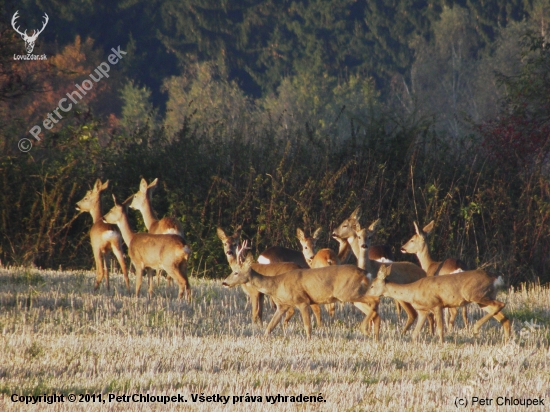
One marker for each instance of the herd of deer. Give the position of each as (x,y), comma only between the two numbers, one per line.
(304,279)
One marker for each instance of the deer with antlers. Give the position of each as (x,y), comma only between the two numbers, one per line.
(105,238)
(29,40)
(301,288)
(230,247)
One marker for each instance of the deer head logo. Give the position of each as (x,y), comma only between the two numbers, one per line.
(29,40)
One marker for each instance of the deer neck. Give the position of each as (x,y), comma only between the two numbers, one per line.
(149,217)
(424,257)
(344,251)
(125,229)
(95,211)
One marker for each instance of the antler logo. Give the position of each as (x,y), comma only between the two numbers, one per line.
(29,40)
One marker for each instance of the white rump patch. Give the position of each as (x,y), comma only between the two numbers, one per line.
(499,282)
(384,260)
(172,231)
(369,277)
(456,271)
(263,260)
(187,249)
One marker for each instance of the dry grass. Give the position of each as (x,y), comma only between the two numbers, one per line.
(58,336)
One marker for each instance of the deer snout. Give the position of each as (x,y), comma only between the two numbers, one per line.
(225,284)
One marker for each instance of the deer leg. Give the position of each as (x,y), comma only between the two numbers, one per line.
(288,315)
(411,314)
(139,278)
(99,268)
(304,311)
(331,308)
(182,280)
(492,308)
(438,313)
(117,251)
(422,315)
(316,309)
(255,303)
(370,309)
(431,322)
(465,316)
(398,308)
(150,282)
(281,310)
(452,313)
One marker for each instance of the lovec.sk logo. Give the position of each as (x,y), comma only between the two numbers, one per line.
(29,40)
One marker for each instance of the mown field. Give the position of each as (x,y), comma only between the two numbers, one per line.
(58,336)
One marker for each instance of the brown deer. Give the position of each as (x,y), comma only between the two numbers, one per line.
(230,245)
(317,259)
(432,294)
(347,229)
(142,201)
(104,237)
(418,245)
(401,272)
(152,252)
(303,287)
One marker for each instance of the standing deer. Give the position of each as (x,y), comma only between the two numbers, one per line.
(347,229)
(148,251)
(303,287)
(432,294)
(230,245)
(104,237)
(418,245)
(317,259)
(141,201)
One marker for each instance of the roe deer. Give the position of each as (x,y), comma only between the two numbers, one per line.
(401,272)
(276,254)
(347,229)
(418,245)
(230,244)
(142,201)
(317,259)
(432,294)
(303,287)
(103,236)
(148,251)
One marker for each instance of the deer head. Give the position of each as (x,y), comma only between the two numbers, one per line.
(29,40)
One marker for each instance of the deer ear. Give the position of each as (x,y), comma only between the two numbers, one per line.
(300,234)
(317,233)
(127,202)
(356,214)
(221,234)
(238,230)
(429,227)
(416,228)
(114,198)
(384,272)
(105,185)
(97,186)
(374,225)
(143,186)
(154,183)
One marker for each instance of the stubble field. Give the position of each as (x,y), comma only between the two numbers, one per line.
(58,336)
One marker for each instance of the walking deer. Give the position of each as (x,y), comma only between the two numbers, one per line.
(401,272)
(152,251)
(230,245)
(418,245)
(303,287)
(432,294)
(104,237)
(347,229)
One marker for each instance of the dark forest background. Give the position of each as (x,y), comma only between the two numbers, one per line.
(284,114)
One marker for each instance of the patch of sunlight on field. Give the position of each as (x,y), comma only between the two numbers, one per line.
(59,336)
